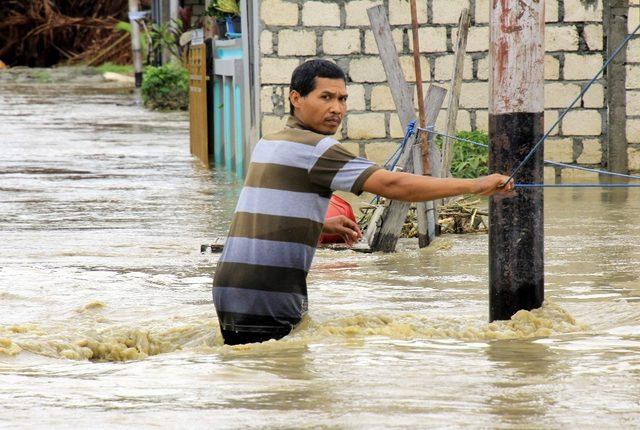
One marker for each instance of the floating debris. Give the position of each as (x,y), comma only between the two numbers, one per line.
(459,216)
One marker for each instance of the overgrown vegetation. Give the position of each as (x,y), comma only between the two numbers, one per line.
(166,87)
(469,161)
(124,69)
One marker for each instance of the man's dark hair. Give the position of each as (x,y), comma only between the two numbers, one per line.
(303,79)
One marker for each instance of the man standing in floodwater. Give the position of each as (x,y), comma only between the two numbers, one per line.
(260,289)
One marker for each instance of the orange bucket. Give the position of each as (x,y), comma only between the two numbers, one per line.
(337,206)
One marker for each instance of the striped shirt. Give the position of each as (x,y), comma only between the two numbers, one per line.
(260,282)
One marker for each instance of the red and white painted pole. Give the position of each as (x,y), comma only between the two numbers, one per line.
(516,123)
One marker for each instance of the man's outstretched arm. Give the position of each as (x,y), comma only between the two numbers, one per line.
(414,188)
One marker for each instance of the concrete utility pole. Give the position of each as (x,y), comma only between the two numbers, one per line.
(516,122)
(615,24)
(135,41)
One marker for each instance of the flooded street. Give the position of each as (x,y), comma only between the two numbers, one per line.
(106,317)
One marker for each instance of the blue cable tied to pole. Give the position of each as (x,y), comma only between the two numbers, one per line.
(398,153)
(552,163)
(564,112)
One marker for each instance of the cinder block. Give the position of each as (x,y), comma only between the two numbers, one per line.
(482,120)
(594,97)
(431,39)
(444,67)
(463,120)
(266,104)
(482,11)
(560,150)
(266,42)
(551,11)
(379,152)
(594,37)
(341,42)
(582,123)
(400,12)
(447,11)
(357,12)
(633,19)
(296,42)
(633,50)
(477,41)
(581,67)
(551,67)
(578,175)
(634,159)
(580,10)
(366,126)
(559,95)
(407,65)
(355,102)
(550,117)
(371,47)
(277,70)
(633,76)
(633,130)
(633,103)
(320,14)
(395,127)
(591,152)
(272,124)
(367,69)
(277,12)
(474,95)
(483,68)
(561,38)
(381,98)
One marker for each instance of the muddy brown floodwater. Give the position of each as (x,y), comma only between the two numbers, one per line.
(106,317)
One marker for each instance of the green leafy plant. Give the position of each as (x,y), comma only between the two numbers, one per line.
(166,87)
(167,35)
(469,161)
(220,9)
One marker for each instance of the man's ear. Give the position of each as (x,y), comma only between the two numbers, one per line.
(295,98)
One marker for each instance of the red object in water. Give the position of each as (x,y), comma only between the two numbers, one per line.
(337,206)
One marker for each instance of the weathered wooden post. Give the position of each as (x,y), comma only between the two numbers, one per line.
(516,122)
(454,91)
(135,41)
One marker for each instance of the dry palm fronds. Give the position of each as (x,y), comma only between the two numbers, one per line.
(45,32)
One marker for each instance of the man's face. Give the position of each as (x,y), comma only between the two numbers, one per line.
(323,108)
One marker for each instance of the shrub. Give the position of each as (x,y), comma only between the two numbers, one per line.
(166,87)
(470,161)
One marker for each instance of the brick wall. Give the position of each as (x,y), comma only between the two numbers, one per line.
(296,30)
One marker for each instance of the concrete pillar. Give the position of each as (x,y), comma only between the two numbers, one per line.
(516,123)
(615,24)
(135,42)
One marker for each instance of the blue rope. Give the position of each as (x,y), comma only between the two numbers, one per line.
(407,135)
(398,152)
(577,185)
(564,112)
(551,163)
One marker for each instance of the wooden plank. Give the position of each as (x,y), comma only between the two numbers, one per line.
(198,127)
(217,246)
(424,152)
(454,92)
(401,93)
(393,218)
